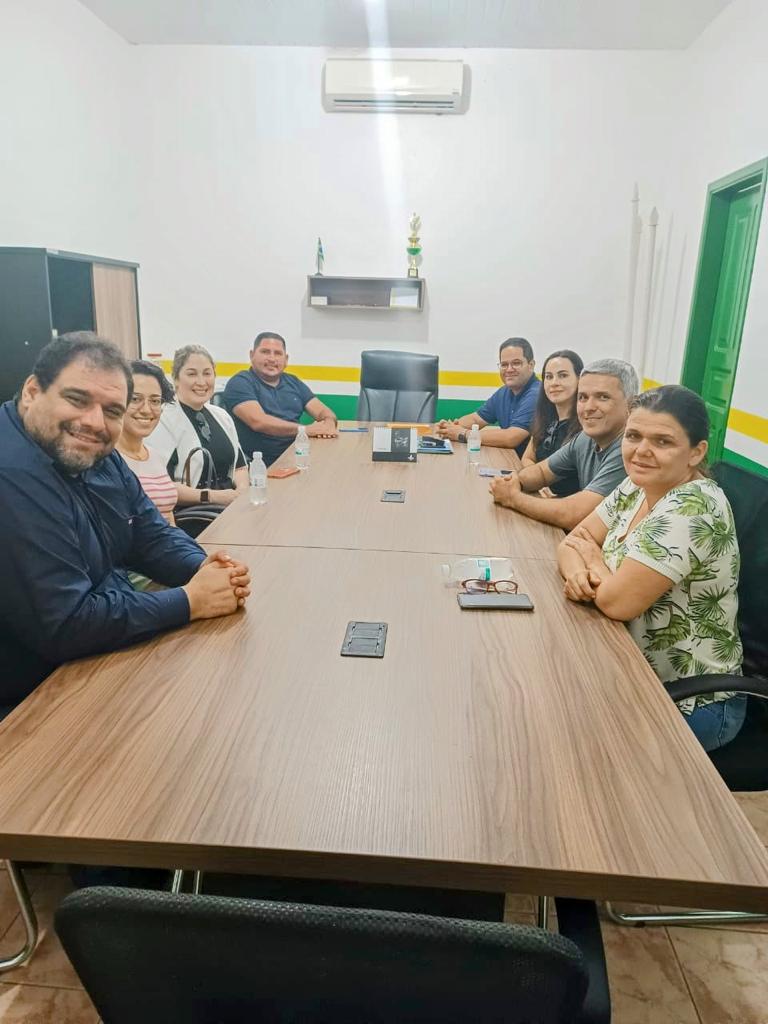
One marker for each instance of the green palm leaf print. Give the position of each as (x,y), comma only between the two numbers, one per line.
(678,628)
(624,501)
(706,604)
(706,629)
(728,648)
(651,661)
(661,607)
(680,660)
(701,571)
(735,564)
(648,537)
(714,535)
(655,528)
(684,663)
(694,503)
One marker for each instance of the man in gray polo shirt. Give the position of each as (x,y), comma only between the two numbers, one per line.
(606,387)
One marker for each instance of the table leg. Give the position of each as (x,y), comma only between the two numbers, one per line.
(28,916)
(542,912)
(178,880)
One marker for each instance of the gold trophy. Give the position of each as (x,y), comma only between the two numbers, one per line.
(413,248)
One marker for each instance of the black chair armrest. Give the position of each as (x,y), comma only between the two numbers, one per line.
(679,689)
(193,519)
(207,511)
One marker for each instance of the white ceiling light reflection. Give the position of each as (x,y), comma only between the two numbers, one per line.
(387,127)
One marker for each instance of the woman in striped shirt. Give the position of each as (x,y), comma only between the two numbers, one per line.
(151,390)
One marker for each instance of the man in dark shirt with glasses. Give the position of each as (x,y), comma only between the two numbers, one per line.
(75,520)
(511,407)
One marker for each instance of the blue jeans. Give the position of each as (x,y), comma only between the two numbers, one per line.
(716,724)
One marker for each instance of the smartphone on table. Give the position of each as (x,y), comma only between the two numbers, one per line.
(505,602)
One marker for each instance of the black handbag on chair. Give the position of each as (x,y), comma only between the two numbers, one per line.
(193,519)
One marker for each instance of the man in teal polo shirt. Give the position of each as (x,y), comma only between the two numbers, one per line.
(511,408)
(267,403)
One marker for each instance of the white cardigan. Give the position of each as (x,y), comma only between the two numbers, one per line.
(175,433)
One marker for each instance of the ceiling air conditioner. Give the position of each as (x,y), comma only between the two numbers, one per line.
(396,86)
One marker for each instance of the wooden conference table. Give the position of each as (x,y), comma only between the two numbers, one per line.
(525,752)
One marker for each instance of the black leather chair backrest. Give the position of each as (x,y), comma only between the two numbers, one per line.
(748,495)
(155,957)
(193,519)
(399,386)
(217,398)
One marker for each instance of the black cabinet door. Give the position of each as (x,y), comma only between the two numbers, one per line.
(25,316)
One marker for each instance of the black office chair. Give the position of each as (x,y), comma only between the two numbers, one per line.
(193,519)
(399,386)
(157,957)
(217,398)
(742,763)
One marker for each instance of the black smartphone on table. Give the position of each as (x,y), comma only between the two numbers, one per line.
(506,602)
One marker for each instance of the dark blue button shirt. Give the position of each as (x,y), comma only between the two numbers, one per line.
(68,542)
(286,401)
(507,409)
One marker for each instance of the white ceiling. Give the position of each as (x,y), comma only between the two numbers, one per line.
(545,24)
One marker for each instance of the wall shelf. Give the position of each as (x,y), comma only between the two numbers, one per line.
(392,293)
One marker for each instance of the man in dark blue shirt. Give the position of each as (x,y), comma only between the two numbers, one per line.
(267,403)
(511,407)
(75,520)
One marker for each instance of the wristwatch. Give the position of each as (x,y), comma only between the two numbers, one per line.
(205,497)
(462,438)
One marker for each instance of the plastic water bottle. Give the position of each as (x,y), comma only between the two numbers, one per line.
(301,448)
(473,446)
(257,476)
(488,569)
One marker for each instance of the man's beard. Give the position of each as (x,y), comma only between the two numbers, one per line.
(70,461)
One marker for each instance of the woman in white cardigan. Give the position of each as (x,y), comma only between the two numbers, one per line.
(191,423)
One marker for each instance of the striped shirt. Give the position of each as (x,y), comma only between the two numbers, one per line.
(153,477)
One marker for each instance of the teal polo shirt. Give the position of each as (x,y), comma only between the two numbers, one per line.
(286,400)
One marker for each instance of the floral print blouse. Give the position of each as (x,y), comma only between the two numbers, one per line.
(688,536)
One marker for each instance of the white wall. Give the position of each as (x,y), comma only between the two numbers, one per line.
(722,126)
(524,201)
(216,168)
(67,131)
(730,83)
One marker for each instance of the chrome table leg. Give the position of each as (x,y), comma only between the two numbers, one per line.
(28,916)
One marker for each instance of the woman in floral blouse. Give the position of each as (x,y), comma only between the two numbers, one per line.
(660,553)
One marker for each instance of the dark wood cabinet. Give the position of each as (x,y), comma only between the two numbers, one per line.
(45,293)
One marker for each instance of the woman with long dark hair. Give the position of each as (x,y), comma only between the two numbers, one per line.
(555,420)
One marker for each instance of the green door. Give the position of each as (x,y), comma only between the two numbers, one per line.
(728,314)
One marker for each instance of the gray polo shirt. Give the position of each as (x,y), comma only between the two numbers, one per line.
(598,470)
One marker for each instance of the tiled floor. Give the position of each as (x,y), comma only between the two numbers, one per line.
(657,975)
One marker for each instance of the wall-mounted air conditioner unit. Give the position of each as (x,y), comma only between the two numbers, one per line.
(396,86)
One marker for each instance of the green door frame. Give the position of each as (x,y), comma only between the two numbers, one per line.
(719,195)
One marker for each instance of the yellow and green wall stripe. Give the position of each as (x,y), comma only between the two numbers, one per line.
(461,391)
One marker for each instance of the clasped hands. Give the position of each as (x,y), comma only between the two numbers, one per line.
(219,587)
(505,490)
(239,574)
(323,428)
(450,429)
